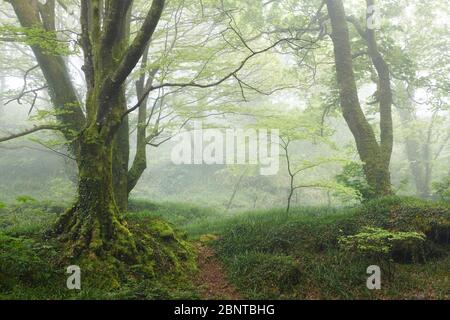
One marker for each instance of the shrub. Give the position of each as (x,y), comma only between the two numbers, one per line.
(353,177)
(409,214)
(379,244)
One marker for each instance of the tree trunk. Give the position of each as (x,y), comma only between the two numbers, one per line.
(140,159)
(376,158)
(95,223)
(413,150)
(121,148)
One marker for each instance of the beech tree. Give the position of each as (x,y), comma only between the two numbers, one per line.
(98,128)
(94,223)
(375,155)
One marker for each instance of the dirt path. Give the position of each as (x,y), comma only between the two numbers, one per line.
(211,278)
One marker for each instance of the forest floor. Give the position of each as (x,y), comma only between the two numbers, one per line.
(212,279)
(260,254)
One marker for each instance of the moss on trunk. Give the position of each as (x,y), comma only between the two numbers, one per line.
(94,224)
(376,157)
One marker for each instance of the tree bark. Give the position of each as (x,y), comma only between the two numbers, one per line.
(95,223)
(376,158)
(140,159)
(101,138)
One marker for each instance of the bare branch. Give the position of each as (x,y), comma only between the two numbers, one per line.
(30,131)
(211,84)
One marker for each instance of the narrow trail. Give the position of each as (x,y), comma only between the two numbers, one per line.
(211,279)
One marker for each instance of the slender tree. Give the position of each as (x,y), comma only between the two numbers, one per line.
(375,156)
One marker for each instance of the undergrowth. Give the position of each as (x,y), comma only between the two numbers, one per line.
(266,254)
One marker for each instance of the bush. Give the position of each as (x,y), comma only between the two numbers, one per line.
(409,214)
(380,244)
(353,177)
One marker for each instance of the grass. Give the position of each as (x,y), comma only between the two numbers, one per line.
(251,241)
(266,254)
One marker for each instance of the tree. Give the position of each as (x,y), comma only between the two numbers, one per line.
(94,223)
(300,129)
(375,156)
(419,66)
(98,128)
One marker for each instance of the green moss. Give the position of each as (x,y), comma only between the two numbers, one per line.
(161,267)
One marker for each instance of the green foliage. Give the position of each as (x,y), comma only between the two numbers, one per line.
(25,199)
(265,255)
(409,214)
(179,214)
(313,237)
(442,189)
(352,176)
(31,268)
(22,263)
(379,242)
(28,218)
(33,36)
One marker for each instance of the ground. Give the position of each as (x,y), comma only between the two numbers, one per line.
(201,253)
(212,279)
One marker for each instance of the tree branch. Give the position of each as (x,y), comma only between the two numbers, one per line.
(29,131)
(136,49)
(211,84)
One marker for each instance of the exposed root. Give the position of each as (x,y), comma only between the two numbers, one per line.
(104,234)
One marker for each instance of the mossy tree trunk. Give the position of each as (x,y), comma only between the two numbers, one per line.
(94,224)
(110,50)
(120,154)
(375,156)
(140,159)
